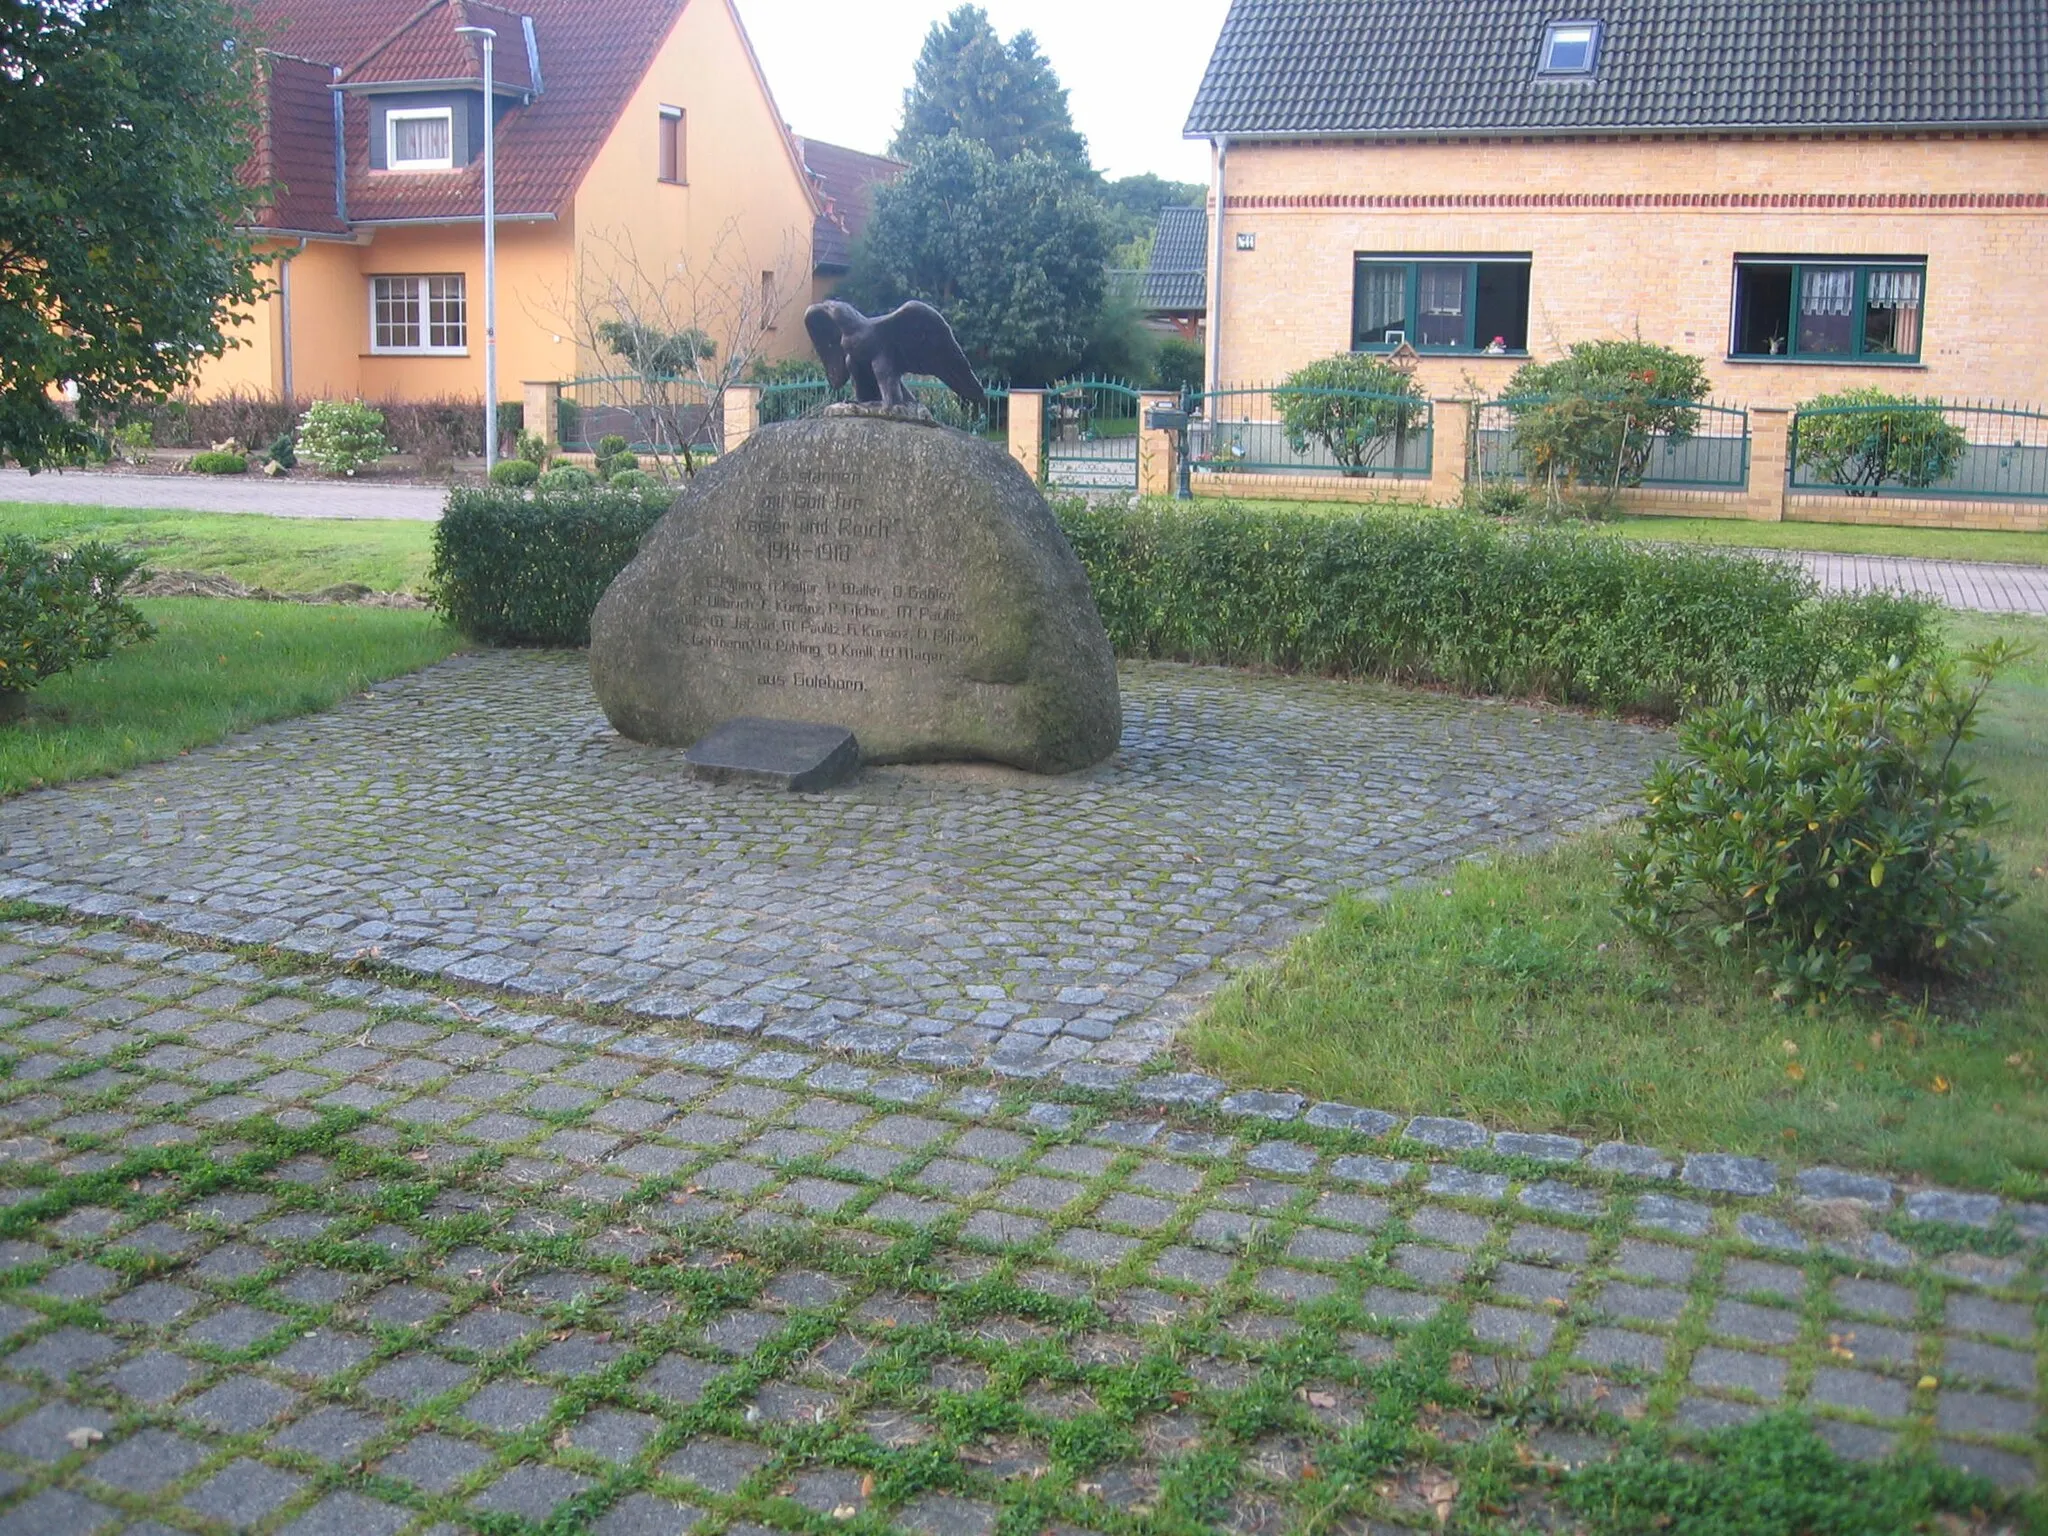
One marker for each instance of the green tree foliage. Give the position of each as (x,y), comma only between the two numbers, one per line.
(968,81)
(123,126)
(1355,405)
(1011,251)
(1178,365)
(1134,203)
(1863,438)
(59,611)
(1591,417)
(1839,842)
(653,353)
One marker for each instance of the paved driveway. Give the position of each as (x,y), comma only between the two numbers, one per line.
(1970,584)
(197,493)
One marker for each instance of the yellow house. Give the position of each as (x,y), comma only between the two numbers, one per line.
(644,176)
(1814,195)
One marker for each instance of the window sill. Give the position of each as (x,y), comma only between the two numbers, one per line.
(415,352)
(669,181)
(1380,351)
(1906,364)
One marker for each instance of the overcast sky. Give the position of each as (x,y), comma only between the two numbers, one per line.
(1130,68)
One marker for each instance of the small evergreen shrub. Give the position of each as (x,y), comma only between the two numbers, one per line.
(1866,438)
(567,477)
(281,453)
(621,463)
(514,472)
(1355,405)
(218,462)
(342,436)
(59,611)
(1839,842)
(1498,496)
(534,449)
(1177,365)
(610,444)
(631,480)
(518,568)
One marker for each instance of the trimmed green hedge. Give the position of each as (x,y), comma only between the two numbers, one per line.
(1460,601)
(518,568)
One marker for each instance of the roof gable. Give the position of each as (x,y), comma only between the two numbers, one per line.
(426,48)
(1287,68)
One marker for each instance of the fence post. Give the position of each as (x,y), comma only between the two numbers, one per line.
(1770,446)
(1451,433)
(742,410)
(543,408)
(1156,469)
(1027,431)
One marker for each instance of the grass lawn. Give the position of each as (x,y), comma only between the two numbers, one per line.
(1511,993)
(1842,538)
(214,667)
(285,554)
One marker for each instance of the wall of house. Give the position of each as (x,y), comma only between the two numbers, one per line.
(744,207)
(1631,237)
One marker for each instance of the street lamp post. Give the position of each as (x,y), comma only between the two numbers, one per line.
(489,39)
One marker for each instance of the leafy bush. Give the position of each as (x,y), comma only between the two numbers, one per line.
(1178,365)
(610,444)
(567,477)
(1498,496)
(786,404)
(514,472)
(217,462)
(342,436)
(1839,842)
(59,611)
(1592,416)
(518,569)
(617,464)
(632,480)
(132,441)
(534,449)
(1863,438)
(1463,601)
(1354,404)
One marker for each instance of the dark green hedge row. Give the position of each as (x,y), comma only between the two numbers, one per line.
(520,567)
(1444,598)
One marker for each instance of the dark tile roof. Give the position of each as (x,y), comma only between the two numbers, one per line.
(1341,67)
(1177,281)
(295,147)
(845,180)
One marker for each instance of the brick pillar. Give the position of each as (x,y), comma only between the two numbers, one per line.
(543,410)
(742,406)
(1027,431)
(1770,447)
(1447,465)
(1156,468)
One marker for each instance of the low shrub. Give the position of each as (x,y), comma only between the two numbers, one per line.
(1498,496)
(444,425)
(1591,417)
(59,611)
(1456,600)
(1862,439)
(1354,405)
(1177,365)
(534,449)
(631,480)
(514,472)
(342,436)
(1839,842)
(218,462)
(610,444)
(281,453)
(567,477)
(514,568)
(611,466)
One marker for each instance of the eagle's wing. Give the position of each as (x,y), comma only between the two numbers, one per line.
(920,341)
(825,340)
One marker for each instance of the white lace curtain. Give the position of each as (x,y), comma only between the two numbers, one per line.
(1827,291)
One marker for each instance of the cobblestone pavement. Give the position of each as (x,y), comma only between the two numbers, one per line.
(292,1251)
(480,821)
(225,493)
(1968,584)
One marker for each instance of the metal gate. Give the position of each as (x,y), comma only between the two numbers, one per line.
(1091,435)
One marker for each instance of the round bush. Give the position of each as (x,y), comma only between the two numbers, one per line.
(632,480)
(567,477)
(342,436)
(610,445)
(215,462)
(514,472)
(615,464)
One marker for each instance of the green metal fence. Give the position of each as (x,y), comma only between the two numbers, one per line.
(1091,435)
(1670,444)
(1277,430)
(654,416)
(809,397)
(1921,448)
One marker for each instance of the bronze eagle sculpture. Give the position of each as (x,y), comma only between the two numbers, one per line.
(879,352)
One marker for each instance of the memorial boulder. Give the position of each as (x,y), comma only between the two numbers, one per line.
(869,570)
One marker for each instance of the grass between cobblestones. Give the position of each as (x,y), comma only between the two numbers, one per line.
(279,1248)
(215,666)
(284,554)
(1512,993)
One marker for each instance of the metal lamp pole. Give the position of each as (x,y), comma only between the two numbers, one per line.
(490,39)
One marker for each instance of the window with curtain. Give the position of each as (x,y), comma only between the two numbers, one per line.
(1828,309)
(420,141)
(1379,303)
(1441,303)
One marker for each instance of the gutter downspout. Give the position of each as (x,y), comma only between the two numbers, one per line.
(1214,364)
(340,150)
(284,299)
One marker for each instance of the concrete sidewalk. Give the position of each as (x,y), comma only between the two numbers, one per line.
(217,493)
(1967,584)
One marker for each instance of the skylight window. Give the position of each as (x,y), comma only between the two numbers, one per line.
(1570,48)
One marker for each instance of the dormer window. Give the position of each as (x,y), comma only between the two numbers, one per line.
(420,139)
(1570,48)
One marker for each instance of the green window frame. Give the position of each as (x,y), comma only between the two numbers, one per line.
(1450,304)
(1816,309)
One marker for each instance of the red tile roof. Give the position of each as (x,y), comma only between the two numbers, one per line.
(426,48)
(845,180)
(295,147)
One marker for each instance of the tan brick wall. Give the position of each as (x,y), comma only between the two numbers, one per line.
(1617,251)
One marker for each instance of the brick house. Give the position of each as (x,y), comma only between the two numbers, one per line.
(640,125)
(1812,194)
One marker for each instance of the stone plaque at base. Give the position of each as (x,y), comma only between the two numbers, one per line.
(901,580)
(783,754)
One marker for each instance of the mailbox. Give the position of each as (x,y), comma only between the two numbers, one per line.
(1163,418)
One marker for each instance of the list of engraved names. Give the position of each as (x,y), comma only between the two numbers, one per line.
(832,593)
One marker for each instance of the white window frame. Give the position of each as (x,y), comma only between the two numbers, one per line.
(421,297)
(399,115)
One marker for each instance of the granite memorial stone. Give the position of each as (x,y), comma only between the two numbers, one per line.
(869,570)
